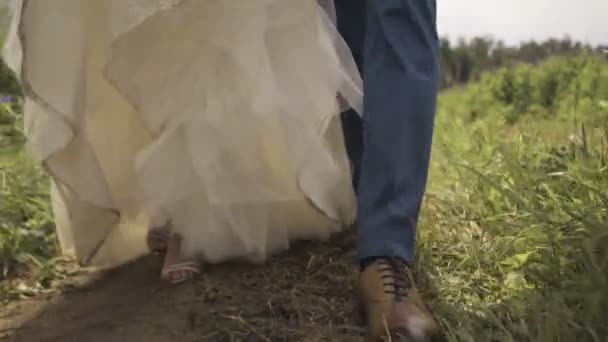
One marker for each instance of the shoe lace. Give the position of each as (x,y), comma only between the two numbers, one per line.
(395,277)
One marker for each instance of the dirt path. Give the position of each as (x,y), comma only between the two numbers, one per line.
(302,295)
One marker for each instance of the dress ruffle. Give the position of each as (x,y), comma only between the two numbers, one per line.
(217,116)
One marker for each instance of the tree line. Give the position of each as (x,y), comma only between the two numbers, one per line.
(466,60)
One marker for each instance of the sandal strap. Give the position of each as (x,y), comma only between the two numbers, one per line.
(183,266)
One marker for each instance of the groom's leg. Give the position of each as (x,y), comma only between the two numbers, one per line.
(401,78)
(351,19)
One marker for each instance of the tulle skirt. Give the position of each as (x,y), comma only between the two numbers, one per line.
(217,118)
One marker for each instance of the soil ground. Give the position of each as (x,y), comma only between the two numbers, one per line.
(304,294)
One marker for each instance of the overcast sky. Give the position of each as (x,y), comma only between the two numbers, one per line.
(517,20)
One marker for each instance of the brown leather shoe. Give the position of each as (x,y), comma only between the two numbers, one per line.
(391,303)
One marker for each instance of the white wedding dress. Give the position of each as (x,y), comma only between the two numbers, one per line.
(216,116)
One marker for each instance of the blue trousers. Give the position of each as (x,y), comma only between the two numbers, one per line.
(396,47)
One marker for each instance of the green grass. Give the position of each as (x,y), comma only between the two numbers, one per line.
(514,231)
(514,234)
(27,237)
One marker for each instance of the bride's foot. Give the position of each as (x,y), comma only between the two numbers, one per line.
(157,240)
(175,269)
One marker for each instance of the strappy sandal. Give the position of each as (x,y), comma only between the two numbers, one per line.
(180,272)
(175,269)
